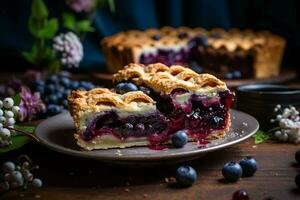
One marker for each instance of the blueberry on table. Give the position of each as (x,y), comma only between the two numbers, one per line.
(249,166)
(179,139)
(123,88)
(297,180)
(186,176)
(240,195)
(297,156)
(232,171)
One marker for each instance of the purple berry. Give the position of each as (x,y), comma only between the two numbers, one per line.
(179,139)
(232,171)
(249,166)
(186,176)
(240,195)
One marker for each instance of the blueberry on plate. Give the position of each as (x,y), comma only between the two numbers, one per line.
(179,139)
(297,180)
(240,195)
(123,88)
(297,156)
(186,176)
(249,166)
(232,171)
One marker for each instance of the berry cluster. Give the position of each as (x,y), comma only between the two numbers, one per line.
(289,124)
(18,176)
(55,90)
(233,171)
(8,114)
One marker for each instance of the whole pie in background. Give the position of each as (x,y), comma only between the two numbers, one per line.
(240,54)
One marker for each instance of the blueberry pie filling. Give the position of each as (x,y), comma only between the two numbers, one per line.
(148,105)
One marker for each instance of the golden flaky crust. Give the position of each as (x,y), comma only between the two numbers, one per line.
(163,79)
(267,49)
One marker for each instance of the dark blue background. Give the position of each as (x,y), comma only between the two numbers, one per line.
(277,16)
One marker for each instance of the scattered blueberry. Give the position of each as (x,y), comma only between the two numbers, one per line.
(156,37)
(297,156)
(297,180)
(123,88)
(182,35)
(248,165)
(240,195)
(179,139)
(229,75)
(186,176)
(232,171)
(237,74)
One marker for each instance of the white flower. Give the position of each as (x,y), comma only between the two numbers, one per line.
(286,123)
(69,47)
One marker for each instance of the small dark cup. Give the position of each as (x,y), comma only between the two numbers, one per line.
(260,101)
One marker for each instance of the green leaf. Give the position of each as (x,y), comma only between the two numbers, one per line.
(49,30)
(28,129)
(39,9)
(111,5)
(18,140)
(69,21)
(17,99)
(261,136)
(84,26)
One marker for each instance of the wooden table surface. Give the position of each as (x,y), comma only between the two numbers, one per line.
(67,178)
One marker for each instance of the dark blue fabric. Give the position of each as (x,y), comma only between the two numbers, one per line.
(278,16)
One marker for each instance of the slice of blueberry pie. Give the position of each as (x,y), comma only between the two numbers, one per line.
(105,119)
(148,105)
